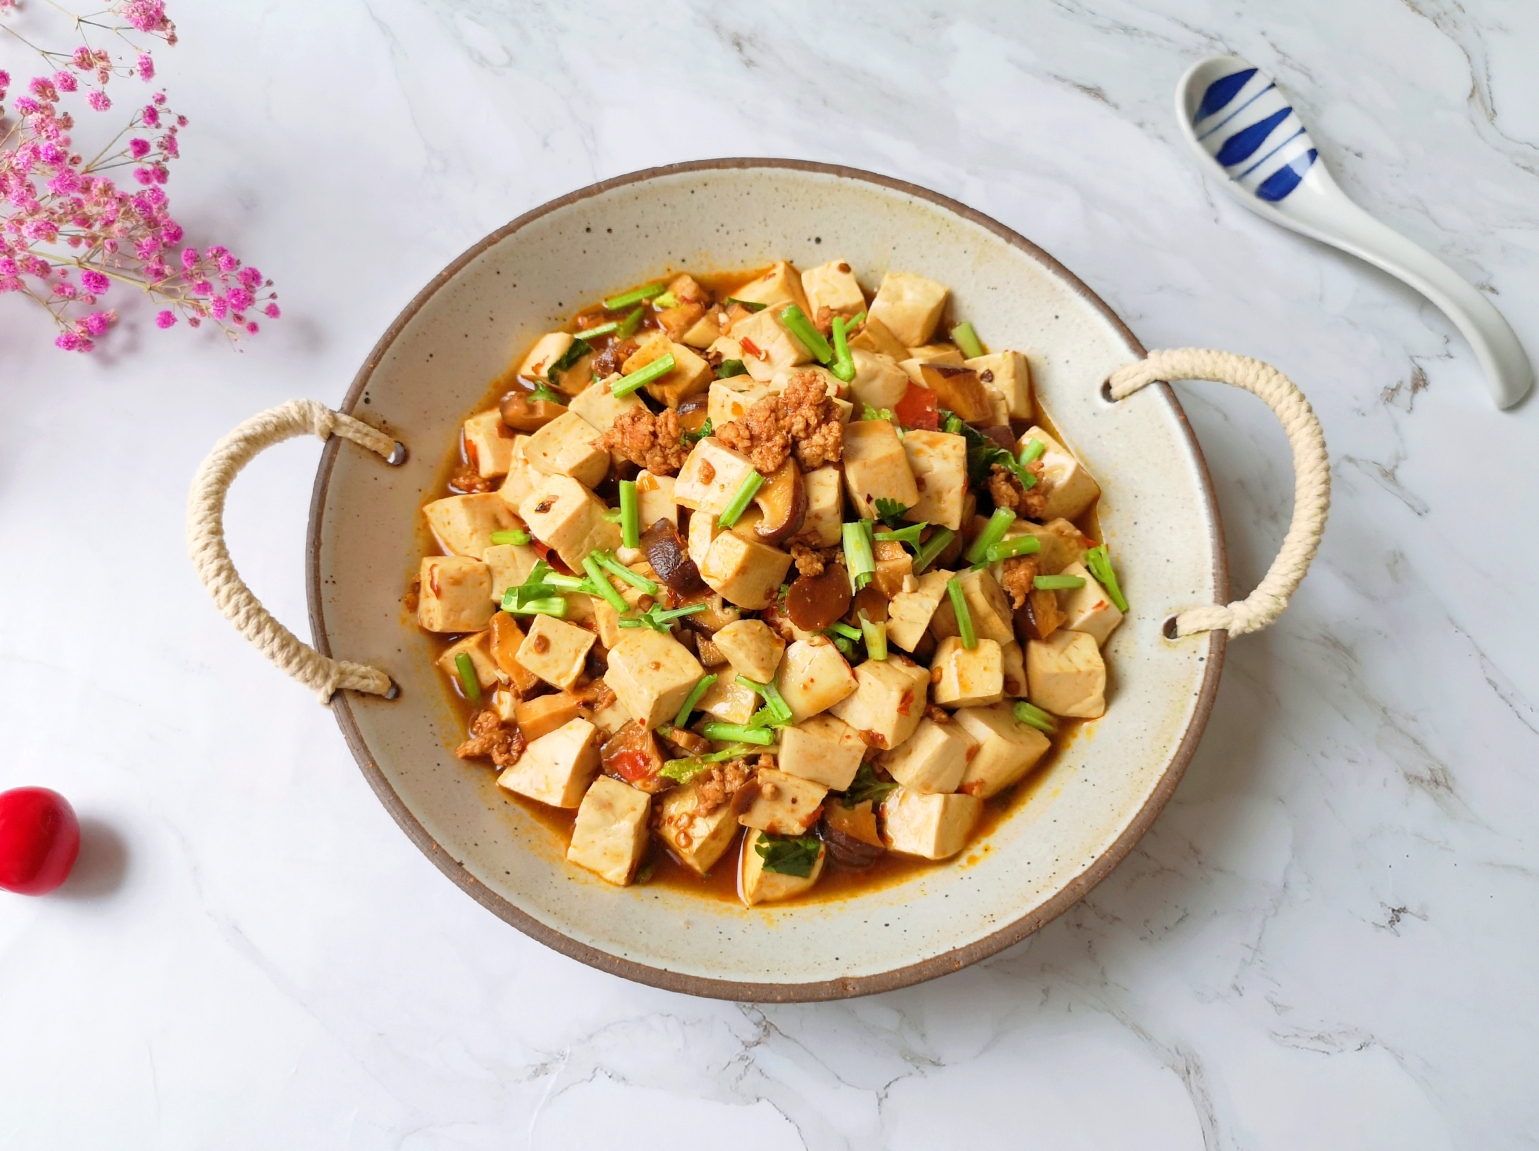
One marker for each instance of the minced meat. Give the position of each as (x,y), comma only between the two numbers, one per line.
(649,441)
(1007,491)
(1016,579)
(489,737)
(801,417)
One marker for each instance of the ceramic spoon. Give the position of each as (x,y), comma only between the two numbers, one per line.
(1245,131)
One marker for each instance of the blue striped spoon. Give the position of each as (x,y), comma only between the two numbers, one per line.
(1249,137)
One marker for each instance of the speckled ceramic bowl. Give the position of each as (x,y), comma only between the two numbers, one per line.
(1157,511)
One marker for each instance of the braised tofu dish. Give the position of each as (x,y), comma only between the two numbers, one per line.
(767,579)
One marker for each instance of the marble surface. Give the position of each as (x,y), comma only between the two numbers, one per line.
(1328,938)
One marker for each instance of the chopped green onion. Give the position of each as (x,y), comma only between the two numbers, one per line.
(735,508)
(846,647)
(729,368)
(963,613)
(994,531)
(550,605)
(684,770)
(908,535)
(634,296)
(1034,716)
(1057,582)
(876,636)
(1032,451)
(737,733)
(513,536)
(1008,549)
(628,326)
(844,363)
(931,548)
(751,305)
(779,711)
(612,515)
(839,627)
(694,697)
(658,368)
(659,618)
(867,412)
(539,588)
(965,338)
(599,330)
(856,320)
(800,326)
(693,438)
(564,582)
(1098,560)
(630,515)
(468,678)
(666,300)
(575,351)
(602,586)
(608,562)
(857,553)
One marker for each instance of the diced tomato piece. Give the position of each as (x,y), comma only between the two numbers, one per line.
(633,765)
(919,408)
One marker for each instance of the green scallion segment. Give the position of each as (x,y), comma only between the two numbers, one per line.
(666,300)
(695,695)
(602,586)
(994,531)
(1032,451)
(931,548)
(909,535)
(857,554)
(1098,560)
(1008,549)
(844,363)
(641,377)
(634,296)
(800,326)
(839,627)
(468,678)
(630,515)
(614,567)
(512,536)
(548,605)
(729,368)
(965,338)
(1034,716)
(777,711)
(601,330)
(563,582)
(741,499)
(751,305)
(660,618)
(856,320)
(737,733)
(628,326)
(684,770)
(846,647)
(876,637)
(1057,582)
(612,515)
(963,613)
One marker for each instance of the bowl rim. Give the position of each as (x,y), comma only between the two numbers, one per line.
(742,990)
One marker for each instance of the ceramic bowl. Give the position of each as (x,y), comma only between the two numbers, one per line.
(1158,512)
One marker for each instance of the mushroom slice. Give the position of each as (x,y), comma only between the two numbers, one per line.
(783,500)
(1040,616)
(670,558)
(959,390)
(693,411)
(525,414)
(814,602)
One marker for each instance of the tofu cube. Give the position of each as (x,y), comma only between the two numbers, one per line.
(555,650)
(702,531)
(813,677)
(1007,375)
(568,446)
(653,674)
(824,522)
(489,444)
(611,833)
(939,463)
(1061,542)
(1065,675)
(779,286)
(547,713)
(768,345)
(521,477)
(728,700)
(598,406)
(963,678)
(752,648)
(569,519)
(756,885)
(654,499)
(1068,486)
(874,337)
(784,804)
(710,477)
(928,825)
(993,618)
(916,358)
(455,594)
(910,306)
(546,351)
(911,610)
(934,758)
(697,839)
(510,565)
(879,382)
(505,701)
(1088,609)
(823,749)
(744,572)
(876,467)
(464,524)
(832,286)
(557,767)
(959,390)
(727,403)
(478,648)
(888,701)
(1007,749)
(611,718)
(705,331)
(1014,660)
(690,376)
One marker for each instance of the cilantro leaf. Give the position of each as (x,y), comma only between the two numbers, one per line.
(867,785)
(890,512)
(692,438)
(577,350)
(729,368)
(983,453)
(789,854)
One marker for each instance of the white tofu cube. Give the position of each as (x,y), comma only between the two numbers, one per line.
(1088,609)
(888,701)
(728,402)
(569,519)
(611,717)
(1061,543)
(879,382)
(823,749)
(946,354)
(464,524)
(744,572)
(710,477)
(1014,660)
(454,594)
(557,767)
(568,446)
(824,523)
(489,444)
(934,758)
(911,610)
(963,678)
(521,479)
(653,674)
(505,701)
(757,885)
(928,825)
(939,463)
(728,700)
(598,406)
(478,648)
(610,834)
(510,565)
(702,532)
(752,648)
(654,499)
(768,345)
(1065,675)
(546,351)
(833,286)
(910,306)
(784,804)
(705,331)
(993,618)
(555,650)
(874,337)
(1067,484)
(697,838)
(690,375)
(1007,375)
(813,677)
(876,467)
(1007,749)
(779,286)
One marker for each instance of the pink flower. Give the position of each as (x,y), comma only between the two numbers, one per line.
(43,89)
(240,299)
(27,106)
(250,278)
(165,320)
(64,291)
(63,81)
(219,306)
(252,327)
(189,258)
(146,67)
(138,148)
(144,175)
(98,322)
(100,101)
(73,342)
(272,311)
(94,282)
(171,233)
(151,116)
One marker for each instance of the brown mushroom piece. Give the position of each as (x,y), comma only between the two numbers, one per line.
(959,390)
(871,600)
(692,413)
(814,602)
(1039,617)
(669,557)
(1002,436)
(523,413)
(851,834)
(632,755)
(783,500)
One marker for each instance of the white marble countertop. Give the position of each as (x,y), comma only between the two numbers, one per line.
(1327,940)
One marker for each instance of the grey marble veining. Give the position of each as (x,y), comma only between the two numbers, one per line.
(1328,938)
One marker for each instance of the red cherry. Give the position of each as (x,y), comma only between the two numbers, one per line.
(39,839)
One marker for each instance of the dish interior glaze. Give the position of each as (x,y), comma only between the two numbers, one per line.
(1087,807)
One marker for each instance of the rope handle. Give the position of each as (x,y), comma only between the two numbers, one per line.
(1311,472)
(211,558)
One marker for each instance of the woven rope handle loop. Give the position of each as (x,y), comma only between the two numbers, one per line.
(1311,476)
(211,558)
